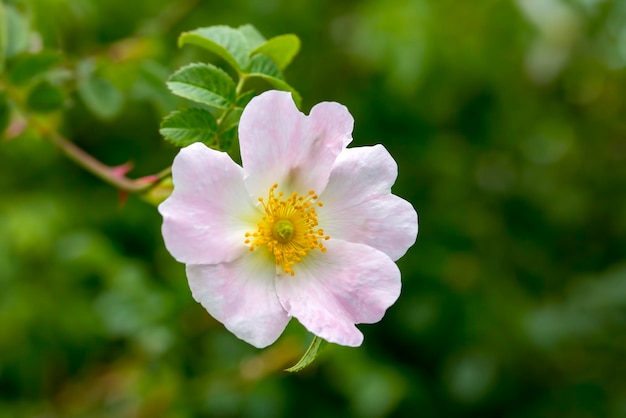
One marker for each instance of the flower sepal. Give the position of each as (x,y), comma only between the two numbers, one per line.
(317,346)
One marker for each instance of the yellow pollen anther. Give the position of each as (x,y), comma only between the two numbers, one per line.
(288,228)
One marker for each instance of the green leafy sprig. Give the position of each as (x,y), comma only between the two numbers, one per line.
(37,86)
(252,64)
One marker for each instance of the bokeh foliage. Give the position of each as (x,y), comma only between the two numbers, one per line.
(507,122)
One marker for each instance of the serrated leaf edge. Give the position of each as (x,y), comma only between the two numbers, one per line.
(228,100)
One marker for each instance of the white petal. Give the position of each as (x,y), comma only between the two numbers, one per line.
(359,206)
(346,285)
(279,144)
(206,217)
(241,295)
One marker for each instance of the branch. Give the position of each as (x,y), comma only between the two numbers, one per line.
(103,171)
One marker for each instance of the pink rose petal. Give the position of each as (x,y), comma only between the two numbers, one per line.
(214,204)
(346,285)
(359,206)
(206,217)
(241,294)
(279,144)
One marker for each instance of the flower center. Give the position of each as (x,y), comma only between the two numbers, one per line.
(289,228)
(283,230)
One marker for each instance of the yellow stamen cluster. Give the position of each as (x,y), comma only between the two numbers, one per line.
(289,228)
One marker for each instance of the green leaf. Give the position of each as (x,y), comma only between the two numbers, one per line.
(262,68)
(224,41)
(280,85)
(98,94)
(17,32)
(244,99)
(262,64)
(281,49)
(228,136)
(101,96)
(150,86)
(3,34)
(185,127)
(254,38)
(5,112)
(27,67)
(311,354)
(229,128)
(45,97)
(203,83)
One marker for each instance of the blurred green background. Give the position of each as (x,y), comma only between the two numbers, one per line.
(508,122)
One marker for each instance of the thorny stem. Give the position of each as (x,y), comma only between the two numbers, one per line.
(165,20)
(109,174)
(99,169)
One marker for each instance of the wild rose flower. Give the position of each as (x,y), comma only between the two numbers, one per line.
(307,228)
